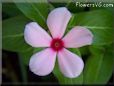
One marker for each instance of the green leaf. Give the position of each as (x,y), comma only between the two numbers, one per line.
(35,11)
(69,4)
(25,56)
(73,8)
(99,66)
(84,50)
(57,3)
(100,22)
(75,50)
(13,39)
(10,9)
(37,50)
(64,80)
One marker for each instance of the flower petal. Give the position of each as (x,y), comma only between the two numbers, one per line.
(70,64)
(78,37)
(36,36)
(57,21)
(42,63)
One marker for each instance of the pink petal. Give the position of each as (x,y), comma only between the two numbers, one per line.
(42,63)
(70,64)
(78,37)
(57,21)
(36,36)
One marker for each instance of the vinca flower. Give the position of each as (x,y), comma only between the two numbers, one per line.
(55,46)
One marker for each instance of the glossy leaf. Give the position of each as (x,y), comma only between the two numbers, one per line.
(12,34)
(35,11)
(100,22)
(99,66)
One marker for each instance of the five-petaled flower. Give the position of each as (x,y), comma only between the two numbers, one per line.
(70,64)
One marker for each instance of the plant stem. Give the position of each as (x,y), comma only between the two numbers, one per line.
(23,69)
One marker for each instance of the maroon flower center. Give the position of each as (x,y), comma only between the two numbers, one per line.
(57,44)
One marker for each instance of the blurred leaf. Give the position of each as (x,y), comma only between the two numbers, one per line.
(72,7)
(37,50)
(25,56)
(57,3)
(100,22)
(35,11)
(106,8)
(99,66)
(13,39)
(64,80)
(84,50)
(69,4)
(75,50)
(10,9)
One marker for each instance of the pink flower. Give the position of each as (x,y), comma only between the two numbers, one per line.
(70,64)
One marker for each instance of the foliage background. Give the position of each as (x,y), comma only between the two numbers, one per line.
(98,58)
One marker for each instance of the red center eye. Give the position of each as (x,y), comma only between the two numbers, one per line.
(57,44)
